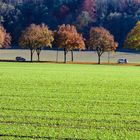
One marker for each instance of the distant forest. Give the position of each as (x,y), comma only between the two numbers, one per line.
(118,16)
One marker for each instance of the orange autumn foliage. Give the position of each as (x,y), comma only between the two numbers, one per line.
(68,38)
(101,41)
(5,38)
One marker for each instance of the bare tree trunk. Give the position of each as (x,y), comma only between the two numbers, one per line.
(100,51)
(72,56)
(65,56)
(38,57)
(38,51)
(31,50)
(99,59)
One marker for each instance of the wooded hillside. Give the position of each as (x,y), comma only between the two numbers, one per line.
(118,16)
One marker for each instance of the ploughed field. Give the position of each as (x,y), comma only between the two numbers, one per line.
(57,101)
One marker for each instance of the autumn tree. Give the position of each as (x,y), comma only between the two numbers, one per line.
(5,38)
(35,37)
(1,37)
(45,39)
(67,38)
(133,38)
(101,41)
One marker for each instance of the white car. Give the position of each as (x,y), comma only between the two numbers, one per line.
(122,61)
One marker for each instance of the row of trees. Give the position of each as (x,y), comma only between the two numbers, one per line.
(118,16)
(66,37)
(36,37)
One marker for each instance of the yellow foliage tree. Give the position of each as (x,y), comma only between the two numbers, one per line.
(35,37)
(133,38)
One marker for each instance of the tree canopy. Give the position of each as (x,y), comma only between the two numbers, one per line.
(133,38)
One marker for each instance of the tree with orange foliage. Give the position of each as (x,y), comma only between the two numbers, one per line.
(68,38)
(101,40)
(35,37)
(133,38)
(5,38)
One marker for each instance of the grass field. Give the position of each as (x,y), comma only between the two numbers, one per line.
(57,101)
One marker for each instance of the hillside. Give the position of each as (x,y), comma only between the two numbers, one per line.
(119,16)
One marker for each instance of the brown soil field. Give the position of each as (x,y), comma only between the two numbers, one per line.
(81,57)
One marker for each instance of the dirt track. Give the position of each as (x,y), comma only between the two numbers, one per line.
(79,56)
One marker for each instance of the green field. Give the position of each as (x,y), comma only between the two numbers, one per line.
(57,101)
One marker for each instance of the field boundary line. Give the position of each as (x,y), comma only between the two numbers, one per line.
(70,112)
(71,119)
(114,128)
(38,137)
